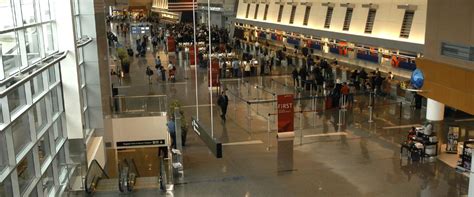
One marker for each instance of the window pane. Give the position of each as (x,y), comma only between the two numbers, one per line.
(10,52)
(43,148)
(37,86)
(6,15)
(78,27)
(48,39)
(39,114)
(47,181)
(28,11)
(1,115)
(58,130)
(26,172)
(52,74)
(80,56)
(16,99)
(6,188)
(84,97)
(55,102)
(62,163)
(45,13)
(76,6)
(32,45)
(82,79)
(3,154)
(86,121)
(21,132)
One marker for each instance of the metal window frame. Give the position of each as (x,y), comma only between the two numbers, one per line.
(346,18)
(267,6)
(292,14)
(280,12)
(371,10)
(257,6)
(307,14)
(328,18)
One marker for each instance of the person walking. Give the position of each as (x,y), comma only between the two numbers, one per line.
(247,69)
(223,101)
(149,73)
(236,67)
(172,130)
(158,63)
(296,80)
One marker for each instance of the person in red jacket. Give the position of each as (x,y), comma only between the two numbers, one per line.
(345,93)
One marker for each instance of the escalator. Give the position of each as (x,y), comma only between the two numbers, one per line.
(98,183)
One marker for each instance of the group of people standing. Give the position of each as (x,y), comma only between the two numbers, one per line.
(161,71)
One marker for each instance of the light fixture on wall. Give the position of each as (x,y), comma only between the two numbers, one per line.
(370,6)
(328,4)
(408,7)
(307,4)
(293,2)
(348,5)
(280,2)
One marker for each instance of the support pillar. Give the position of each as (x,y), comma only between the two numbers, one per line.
(434,110)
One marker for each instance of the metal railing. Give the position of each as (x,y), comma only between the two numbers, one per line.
(140,104)
(94,174)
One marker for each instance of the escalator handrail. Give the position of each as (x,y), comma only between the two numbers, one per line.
(132,174)
(120,178)
(95,178)
(132,164)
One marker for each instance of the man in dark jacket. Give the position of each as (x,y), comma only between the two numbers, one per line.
(223,101)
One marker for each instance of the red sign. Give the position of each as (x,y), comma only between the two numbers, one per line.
(191,55)
(171,44)
(285,112)
(214,73)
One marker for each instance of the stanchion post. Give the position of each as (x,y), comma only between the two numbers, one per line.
(238,84)
(370,114)
(301,127)
(370,98)
(340,118)
(248,117)
(235,106)
(258,95)
(268,133)
(401,110)
(248,89)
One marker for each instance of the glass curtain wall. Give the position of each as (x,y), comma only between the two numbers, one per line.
(33,137)
(27,35)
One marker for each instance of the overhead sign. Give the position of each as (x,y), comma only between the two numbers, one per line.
(142,143)
(213,144)
(285,113)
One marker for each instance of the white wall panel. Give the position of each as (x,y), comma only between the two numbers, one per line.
(299,15)
(338,18)
(241,9)
(252,10)
(273,12)
(140,128)
(387,23)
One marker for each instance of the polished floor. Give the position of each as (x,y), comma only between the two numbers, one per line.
(351,157)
